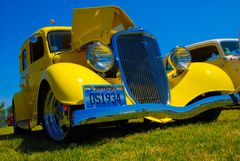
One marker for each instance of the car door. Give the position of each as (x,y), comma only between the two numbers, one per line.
(234,71)
(231,61)
(38,60)
(24,79)
(24,62)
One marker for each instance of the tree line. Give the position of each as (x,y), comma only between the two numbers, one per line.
(4,114)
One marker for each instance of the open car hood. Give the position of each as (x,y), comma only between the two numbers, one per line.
(97,24)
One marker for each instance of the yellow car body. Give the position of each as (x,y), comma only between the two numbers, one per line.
(54,69)
(212,71)
(199,80)
(57,71)
(222,53)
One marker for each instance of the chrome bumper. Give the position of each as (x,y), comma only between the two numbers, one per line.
(115,113)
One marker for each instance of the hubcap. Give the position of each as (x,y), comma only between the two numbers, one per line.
(56,117)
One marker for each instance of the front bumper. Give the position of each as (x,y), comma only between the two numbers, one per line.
(115,113)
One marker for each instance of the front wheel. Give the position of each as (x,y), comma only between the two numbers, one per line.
(56,117)
(208,116)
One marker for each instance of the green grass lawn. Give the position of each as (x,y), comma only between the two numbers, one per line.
(219,140)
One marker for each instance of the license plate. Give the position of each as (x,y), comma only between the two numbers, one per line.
(103,96)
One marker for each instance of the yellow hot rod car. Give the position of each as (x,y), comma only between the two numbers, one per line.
(223,53)
(102,69)
(204,69)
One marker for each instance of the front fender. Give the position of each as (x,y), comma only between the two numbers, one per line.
(200,78)
(66,81)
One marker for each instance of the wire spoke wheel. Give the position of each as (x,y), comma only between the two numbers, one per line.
(56,118)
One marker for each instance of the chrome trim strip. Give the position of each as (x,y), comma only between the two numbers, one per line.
(98,115)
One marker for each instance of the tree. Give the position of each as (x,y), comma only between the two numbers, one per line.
(2,115)
(10,119)
(9,110)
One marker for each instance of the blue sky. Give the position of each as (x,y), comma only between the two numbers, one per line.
(173,22)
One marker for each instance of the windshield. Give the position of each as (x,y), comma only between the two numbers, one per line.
(59,41)
(230,47)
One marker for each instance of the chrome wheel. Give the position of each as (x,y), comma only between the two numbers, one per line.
(56,118)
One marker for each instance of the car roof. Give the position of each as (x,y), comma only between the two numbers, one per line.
(52,28)
(212,41)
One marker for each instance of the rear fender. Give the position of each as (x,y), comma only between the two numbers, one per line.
(198,79)
(22,109)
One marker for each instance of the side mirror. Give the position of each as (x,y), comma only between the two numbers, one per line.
(33,39)
(179,58)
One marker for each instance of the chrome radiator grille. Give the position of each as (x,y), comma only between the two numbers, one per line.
(141,66)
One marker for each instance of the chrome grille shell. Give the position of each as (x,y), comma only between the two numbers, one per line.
(141,66)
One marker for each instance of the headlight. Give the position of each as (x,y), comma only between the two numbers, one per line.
(100,57)
(180,58)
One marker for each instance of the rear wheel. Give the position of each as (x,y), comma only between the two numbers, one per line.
(56,117)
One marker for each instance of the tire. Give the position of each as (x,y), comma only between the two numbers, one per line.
(56,119)
(17,130)
(146,121)
(208,116)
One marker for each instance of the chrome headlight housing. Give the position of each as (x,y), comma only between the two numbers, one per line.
(180,58)
(100,57)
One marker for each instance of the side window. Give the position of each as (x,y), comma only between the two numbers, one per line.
(36,49)
(202,54)
(24,59)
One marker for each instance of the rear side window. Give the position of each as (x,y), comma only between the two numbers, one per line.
(37,49)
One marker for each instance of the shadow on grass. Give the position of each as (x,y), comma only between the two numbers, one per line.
(38,141)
